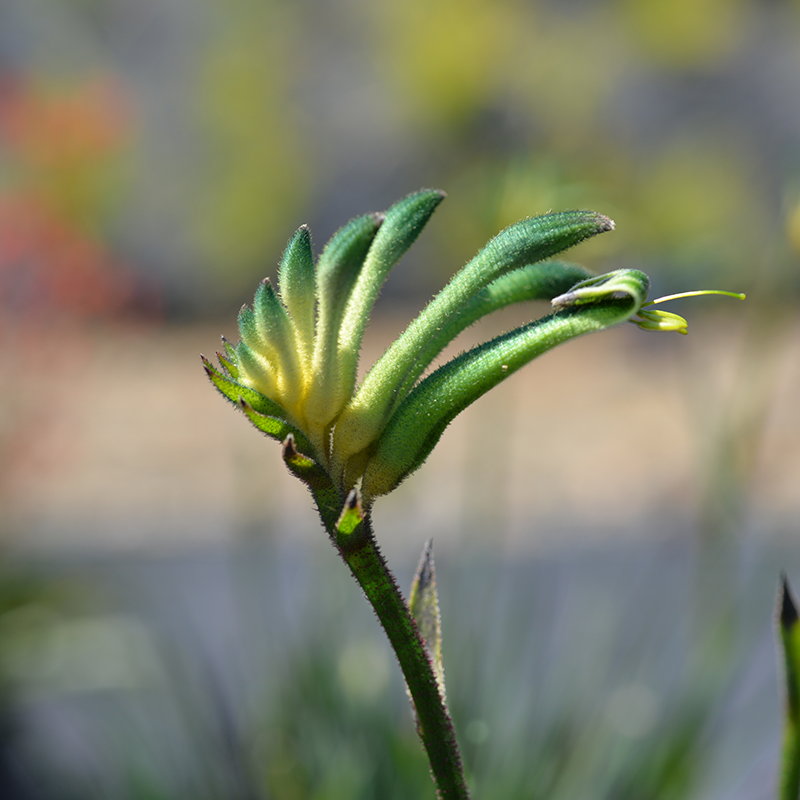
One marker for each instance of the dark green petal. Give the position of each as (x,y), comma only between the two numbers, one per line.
(542,281)
(402,224)
(418,423)
(526,242)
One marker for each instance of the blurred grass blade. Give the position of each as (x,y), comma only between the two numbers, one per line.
(789,626)
(523,243)
(418,423)
(423,603)
(297,287)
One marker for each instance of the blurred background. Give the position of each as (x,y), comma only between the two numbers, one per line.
(173,623)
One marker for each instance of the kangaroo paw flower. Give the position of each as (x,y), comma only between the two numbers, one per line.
(293,372)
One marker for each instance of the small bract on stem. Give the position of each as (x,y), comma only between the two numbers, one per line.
(293,374)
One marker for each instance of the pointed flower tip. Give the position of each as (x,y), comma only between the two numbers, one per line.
(299,464)
(289,449)
(352,514)
(302,233)
(425,569)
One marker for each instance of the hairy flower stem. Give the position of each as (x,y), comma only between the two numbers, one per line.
(434,725)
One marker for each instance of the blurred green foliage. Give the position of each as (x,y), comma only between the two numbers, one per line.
(254,165)
(251,118)
(262,675)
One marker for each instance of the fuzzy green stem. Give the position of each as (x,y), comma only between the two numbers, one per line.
(434,725)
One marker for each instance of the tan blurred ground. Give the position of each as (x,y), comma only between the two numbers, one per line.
(613,435)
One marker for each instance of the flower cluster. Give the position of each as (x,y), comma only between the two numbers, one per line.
(294,371)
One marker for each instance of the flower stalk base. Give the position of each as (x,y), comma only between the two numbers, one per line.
(353,538)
